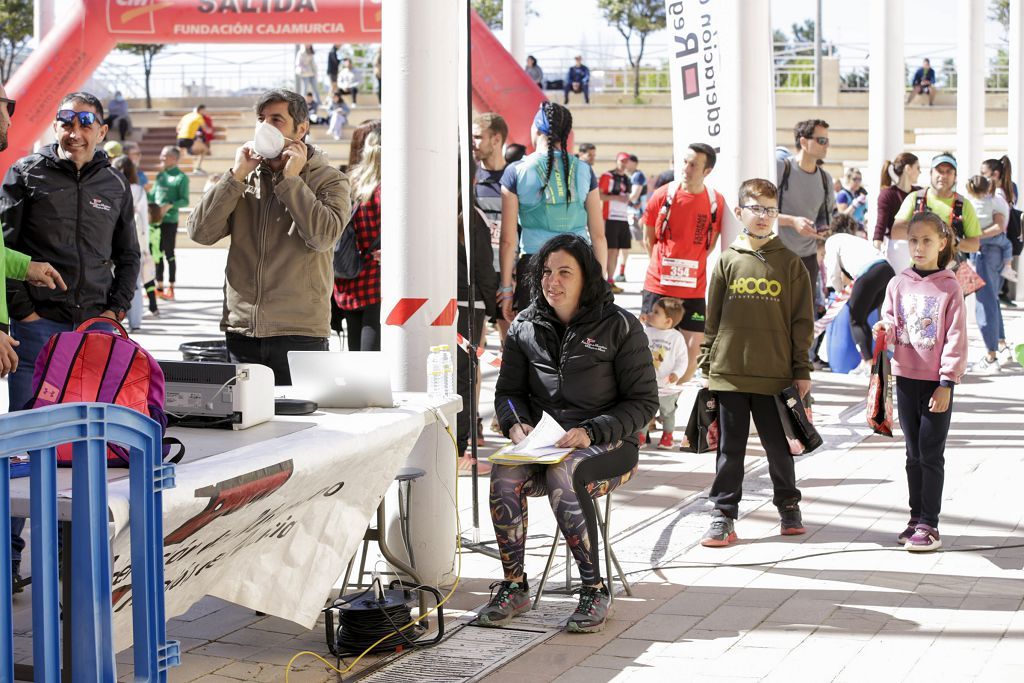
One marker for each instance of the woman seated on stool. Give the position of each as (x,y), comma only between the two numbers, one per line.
(583,360)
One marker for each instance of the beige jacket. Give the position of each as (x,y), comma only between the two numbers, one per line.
(280,268)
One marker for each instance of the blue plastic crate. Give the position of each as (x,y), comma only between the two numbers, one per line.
(88,426)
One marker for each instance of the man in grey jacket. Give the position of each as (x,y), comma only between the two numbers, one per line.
(284,213)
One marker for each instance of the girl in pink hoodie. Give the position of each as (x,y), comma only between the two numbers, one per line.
(923,316)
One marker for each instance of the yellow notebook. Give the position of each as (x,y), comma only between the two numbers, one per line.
(507,455)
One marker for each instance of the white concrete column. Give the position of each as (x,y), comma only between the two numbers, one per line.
(970,95)
(43,17)
(1015,115)
(419,166)
(418,243)
(747,70)
(513,22)
(886,93)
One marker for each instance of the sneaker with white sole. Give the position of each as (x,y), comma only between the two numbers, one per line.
(908,532)
(925,539)
(1005,352)
(1008,273)
(862,370)
(987,367)
(666,442)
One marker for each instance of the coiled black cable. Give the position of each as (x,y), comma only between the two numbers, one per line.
(360,628)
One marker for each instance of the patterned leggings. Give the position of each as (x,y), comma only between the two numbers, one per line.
(571,487)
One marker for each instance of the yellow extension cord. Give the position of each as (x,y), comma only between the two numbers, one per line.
(458,576)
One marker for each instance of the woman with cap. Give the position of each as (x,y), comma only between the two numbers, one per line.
(545,194)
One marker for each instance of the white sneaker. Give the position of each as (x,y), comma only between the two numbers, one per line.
(987,367)
(1005,353)
(862,370)
(1008,273)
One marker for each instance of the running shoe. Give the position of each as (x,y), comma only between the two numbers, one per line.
(1008,273)
(620,277)
(666,441)
(1005,352)
(925,539)
(987,367)
(721,533)
(510,600)
(908,532)
(615,288)
(790,520)
(591,612)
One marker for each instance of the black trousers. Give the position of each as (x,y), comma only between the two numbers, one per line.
(925,433)
(734,411)
(462,372)
(168,234)
(867,295)
(271,351)
(363,326)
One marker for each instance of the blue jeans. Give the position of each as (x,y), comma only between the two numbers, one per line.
(135,312)
(989,262)
(33,337)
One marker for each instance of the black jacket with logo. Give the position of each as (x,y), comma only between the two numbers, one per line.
(598,373)
(82,223)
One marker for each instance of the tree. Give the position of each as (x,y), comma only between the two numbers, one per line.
(147,52)
(998,78)
(491,12)
(634,18)
(16,18)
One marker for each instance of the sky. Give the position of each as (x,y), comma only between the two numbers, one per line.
(564,27)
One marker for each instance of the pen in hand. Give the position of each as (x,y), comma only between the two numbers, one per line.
(515,414)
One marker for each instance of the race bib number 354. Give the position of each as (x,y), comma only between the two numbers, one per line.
(677,272)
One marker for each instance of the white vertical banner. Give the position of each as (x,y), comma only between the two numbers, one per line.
(721,75)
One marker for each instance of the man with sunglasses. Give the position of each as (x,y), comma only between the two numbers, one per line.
(285,207)
(807,199)
(65,205)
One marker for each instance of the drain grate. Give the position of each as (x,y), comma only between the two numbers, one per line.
(468,654)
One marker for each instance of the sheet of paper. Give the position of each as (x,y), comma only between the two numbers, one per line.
(543,437)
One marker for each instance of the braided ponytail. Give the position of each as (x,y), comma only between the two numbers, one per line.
(560,121)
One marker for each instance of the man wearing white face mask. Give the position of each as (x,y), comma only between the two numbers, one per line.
(284,206)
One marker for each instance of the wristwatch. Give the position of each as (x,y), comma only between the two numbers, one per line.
(590,433)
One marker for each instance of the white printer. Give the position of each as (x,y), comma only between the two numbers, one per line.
(202,394)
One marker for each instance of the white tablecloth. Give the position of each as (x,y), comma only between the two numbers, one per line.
(266,518)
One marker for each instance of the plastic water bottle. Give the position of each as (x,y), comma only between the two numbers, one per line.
(435,375)
(448,363)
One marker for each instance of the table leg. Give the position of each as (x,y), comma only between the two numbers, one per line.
(382,544)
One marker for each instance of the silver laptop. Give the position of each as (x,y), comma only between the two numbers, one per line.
(337,379)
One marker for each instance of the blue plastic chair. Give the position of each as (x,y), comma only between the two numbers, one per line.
(88,426)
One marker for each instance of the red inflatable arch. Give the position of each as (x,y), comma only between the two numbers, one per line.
(78,44)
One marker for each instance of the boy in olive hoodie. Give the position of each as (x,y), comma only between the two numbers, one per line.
(760,323)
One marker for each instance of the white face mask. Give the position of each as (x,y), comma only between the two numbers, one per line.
(267,141)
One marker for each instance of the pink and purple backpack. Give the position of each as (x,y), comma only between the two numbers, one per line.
(100,366)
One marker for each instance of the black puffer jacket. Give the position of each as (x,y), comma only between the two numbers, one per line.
(599,374)
(82,223)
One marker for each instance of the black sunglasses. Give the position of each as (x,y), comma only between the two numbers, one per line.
(85,118)
(10,105)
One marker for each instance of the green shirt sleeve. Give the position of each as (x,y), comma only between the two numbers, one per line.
(15,264)
(183,198)
(972,227)
(906,211)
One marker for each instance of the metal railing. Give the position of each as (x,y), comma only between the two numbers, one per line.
(208,71)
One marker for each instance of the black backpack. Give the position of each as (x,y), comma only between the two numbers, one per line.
(348,260)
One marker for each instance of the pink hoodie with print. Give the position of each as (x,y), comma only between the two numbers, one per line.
(929,324)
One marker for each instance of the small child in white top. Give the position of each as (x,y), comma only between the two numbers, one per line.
(668,348)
